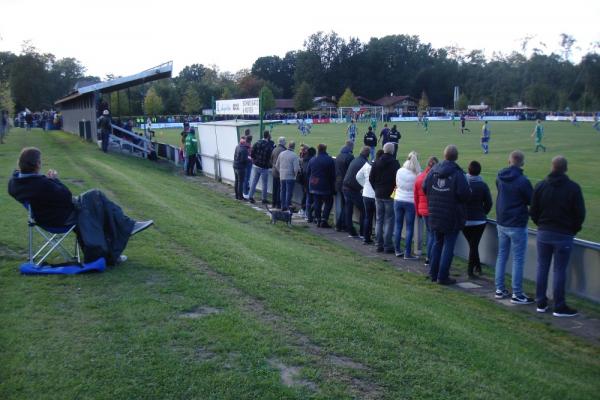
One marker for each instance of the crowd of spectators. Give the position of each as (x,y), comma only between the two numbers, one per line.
(390,195)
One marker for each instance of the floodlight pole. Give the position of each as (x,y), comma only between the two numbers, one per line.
(260,114)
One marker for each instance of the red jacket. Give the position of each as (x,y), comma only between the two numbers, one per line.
(420,199)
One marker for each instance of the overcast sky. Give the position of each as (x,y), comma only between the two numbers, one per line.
(125,37)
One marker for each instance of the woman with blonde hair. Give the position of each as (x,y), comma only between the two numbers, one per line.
(404,204)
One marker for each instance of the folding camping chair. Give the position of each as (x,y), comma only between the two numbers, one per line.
(54,238)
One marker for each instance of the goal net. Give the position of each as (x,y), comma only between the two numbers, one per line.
(361,113)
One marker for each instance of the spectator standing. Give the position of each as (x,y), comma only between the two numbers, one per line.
(421,206)
(384,135)
(352,196)
(478,207)
(300,179)
(191,152)
(275,172)
(29,120)
(514,195)
(288,165)
(105,125)
(240,161)
(382,178)
(261,160)
(184,133)
(394,137)
(248,144)
(370,140)
(404,204)
(308,206)
(342,161)
(447,192)
(3,125)
(558,209)
(368,197)
(321,181)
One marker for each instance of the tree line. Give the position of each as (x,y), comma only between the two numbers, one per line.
(326,66)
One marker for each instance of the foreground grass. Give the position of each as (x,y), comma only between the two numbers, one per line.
(121,334)
(579,144)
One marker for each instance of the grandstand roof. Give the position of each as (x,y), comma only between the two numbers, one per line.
(159,72)
(365,101)
(388,101)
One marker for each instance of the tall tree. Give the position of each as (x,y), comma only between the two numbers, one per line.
(423,102)
(191,103)
(347,99)
(267,98)
(6,101)
(153,104)
(303,99)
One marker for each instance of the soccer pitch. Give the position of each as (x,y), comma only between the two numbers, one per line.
(581,146)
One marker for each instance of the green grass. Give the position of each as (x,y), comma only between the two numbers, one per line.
(580,146)
(284,294)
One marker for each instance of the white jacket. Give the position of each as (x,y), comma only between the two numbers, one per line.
(362,177)
(405,185)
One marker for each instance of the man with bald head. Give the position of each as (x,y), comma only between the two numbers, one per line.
(558,209)
(447,192)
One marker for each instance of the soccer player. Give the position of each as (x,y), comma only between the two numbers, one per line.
(538,132)
(596,125)
(463,125)
(426,123)
(574,120)
(303,127)
(453,119)
(485,137)
(374,124)
(351,131)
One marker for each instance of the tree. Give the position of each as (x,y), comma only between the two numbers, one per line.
(191,103)
(462,102)
(6,101)
(303,99)
(267,98)
(120,104)
(347,99)
(250,85)
(423,102)
(226,94)
(153,104)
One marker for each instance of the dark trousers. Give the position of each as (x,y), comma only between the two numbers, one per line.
(309,206)
(559,246)
(354,199)
(276,192)
(473,235)
(442,254)
(104,136)
(240,178)
(322,206)
(340,212)
(191,163)
(369,204)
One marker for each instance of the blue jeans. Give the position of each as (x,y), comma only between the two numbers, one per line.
(442,253)
(287,190)
(551,244)
(372,152)
(430,238)
(247,179)
(354,199)
(369,204)
(404,210)
(517,239)
(263,175)
(385,223)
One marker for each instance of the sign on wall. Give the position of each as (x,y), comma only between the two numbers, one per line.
(237,107)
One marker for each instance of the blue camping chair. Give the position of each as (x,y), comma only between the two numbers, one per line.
(54,238)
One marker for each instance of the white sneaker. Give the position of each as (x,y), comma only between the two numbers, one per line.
(122,259)
(140,226)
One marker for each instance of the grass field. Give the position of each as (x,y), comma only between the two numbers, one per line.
(580,145)
(216,303)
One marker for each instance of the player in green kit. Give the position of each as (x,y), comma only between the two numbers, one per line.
(426,123)
(538,132)
(374,123)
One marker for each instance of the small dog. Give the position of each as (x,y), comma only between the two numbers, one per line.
(285,216)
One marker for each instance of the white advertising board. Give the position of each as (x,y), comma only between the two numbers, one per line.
(237,107)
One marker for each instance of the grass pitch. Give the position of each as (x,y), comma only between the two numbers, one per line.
(581,146)
(216,303)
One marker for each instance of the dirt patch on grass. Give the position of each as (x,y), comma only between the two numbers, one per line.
(201,312)
(203,354)
(291,375)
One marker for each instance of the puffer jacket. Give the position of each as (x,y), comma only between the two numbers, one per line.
(405,185)
(419,195)
(362,177)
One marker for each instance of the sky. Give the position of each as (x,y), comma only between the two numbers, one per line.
(125,37)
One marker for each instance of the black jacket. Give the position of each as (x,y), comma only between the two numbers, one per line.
(261,153)
(342,162)
(557,205)
(480,203)
(383,176)
(240,157)
(350,182)
(51,201)
(394,136)
(370,139)
(447,192)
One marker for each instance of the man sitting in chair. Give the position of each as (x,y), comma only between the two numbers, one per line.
(102,228)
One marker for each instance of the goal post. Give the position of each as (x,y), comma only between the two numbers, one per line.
(361,113)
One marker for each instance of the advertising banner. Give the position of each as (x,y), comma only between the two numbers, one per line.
(237,107)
